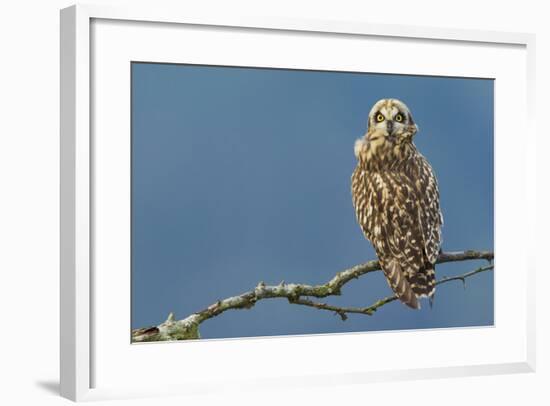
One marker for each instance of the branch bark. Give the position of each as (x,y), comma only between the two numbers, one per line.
(188,328)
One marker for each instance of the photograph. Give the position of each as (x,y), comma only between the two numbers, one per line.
(274,202)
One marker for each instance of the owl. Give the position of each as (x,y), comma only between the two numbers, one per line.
(396,201)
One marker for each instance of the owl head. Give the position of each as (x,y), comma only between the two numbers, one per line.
(393,118)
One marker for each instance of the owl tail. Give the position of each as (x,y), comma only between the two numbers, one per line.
(423,281)
(400,285)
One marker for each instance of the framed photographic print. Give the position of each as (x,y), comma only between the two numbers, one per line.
(252,192)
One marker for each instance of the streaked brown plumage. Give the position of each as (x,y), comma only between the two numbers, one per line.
(396,200)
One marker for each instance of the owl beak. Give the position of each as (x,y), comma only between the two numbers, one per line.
(389,127)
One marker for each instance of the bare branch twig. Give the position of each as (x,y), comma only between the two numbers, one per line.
(369,310)
(187,328)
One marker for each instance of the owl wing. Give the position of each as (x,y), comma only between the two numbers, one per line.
(398,234)
(386,205)
(431,219)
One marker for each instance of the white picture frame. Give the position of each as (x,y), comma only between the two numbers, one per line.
(78,185)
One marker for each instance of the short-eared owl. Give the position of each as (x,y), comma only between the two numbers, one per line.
(396,201)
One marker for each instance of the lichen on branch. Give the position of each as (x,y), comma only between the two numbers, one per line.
(299,294)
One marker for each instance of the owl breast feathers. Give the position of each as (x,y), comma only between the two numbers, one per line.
(396,200)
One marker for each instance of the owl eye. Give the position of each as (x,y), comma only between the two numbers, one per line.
(379,118)
(399,118)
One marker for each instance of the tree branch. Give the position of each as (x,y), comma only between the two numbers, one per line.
(187,328)
(369,311)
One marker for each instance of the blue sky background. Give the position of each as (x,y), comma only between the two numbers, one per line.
(242,175)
